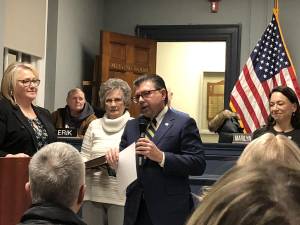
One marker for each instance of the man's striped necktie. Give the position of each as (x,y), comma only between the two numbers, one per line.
(150,131)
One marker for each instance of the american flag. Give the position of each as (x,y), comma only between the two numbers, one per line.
(268,66)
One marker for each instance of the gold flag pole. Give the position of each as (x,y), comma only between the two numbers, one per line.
(276,4)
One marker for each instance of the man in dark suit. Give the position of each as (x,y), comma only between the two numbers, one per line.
(167,156)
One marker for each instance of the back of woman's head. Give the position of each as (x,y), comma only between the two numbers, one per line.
(252,195)
(270,147)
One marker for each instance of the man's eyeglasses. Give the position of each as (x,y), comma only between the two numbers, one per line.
(144,94)
(27,83)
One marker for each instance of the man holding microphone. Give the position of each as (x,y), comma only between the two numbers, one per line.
(167,155)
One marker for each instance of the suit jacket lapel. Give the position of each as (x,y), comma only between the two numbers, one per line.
(164,126)
(25,123)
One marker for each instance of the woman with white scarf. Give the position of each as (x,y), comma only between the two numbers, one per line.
(104,203)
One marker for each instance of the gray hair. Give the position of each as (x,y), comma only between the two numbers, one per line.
(10,77)
(56,173)
(73,91)
(113,84)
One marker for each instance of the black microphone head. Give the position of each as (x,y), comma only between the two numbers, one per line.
(143,123)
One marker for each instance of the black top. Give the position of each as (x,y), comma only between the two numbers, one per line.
(16,133)
(227,129)
(294,135)
(48,213)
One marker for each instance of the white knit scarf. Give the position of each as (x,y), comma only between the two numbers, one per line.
(114,125)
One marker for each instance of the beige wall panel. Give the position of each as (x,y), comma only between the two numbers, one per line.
(25,24)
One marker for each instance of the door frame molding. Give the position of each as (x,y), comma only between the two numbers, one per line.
(230,33)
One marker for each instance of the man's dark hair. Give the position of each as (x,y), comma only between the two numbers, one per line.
(157,80)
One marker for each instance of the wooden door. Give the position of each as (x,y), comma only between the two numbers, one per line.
(126,57)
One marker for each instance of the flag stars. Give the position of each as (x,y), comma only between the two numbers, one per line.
(269,55)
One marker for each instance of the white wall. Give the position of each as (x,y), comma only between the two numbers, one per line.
(78,37)
(2,7)
(24,26)
(182,64)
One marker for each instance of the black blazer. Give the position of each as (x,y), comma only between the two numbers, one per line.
(166,190)
(16,134)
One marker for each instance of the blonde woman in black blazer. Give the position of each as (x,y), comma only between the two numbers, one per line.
(24,128)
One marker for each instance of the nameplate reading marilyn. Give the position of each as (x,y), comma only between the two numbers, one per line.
(240,138)
(66,132)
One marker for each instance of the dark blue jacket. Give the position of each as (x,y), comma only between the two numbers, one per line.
(166,190)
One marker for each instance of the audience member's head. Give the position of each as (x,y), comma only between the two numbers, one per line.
(252,195)
(270,147)
(57,175)
(114,95)
(75,101)
(284,107)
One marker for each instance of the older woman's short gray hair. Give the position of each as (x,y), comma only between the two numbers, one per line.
(112,84)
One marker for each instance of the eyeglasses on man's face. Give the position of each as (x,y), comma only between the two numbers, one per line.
(28,82)
(143,94)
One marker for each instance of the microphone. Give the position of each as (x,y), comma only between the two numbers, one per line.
(143,123)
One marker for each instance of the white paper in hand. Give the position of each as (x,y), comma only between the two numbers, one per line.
(126,171)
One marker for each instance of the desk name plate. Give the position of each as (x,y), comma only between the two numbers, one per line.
(66,132)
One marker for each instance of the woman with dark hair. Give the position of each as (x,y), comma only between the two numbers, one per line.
(284,115)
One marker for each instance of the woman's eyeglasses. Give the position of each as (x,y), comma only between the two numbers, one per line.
(27,83)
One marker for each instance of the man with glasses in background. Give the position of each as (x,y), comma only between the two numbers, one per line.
(168,154)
